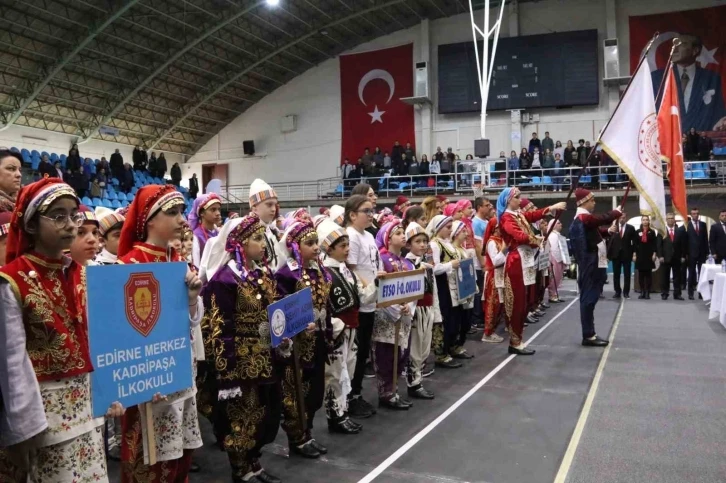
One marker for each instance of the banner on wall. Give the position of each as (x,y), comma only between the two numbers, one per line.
(700,61)
(372,114)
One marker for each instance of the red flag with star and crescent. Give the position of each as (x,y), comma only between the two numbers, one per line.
(669,137)
(372,114)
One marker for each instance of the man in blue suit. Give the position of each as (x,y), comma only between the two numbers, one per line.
(699,90)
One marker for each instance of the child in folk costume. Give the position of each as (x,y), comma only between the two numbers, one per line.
(427,312)
(263,202)
(109,227)
(520,268)
(299,268)
(559,259)
(46,365)
(154,218)
(495,256)
(187,243)
(246,387)
(534,311)
(85,246)
(204,218)
(459,235)
(390,240)
(347,294)
(445,262)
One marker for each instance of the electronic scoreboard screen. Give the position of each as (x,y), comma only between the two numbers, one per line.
(551,70)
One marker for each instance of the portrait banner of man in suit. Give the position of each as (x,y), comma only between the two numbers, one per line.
(700,61)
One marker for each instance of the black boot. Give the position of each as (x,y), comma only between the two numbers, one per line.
(419,392)
(321,449)
(394,403)
(305,450)
(342,426)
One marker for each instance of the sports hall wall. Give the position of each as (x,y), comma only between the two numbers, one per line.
(313,151)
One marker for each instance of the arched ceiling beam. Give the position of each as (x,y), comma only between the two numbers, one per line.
(46,77)
(159,70)
(190,109)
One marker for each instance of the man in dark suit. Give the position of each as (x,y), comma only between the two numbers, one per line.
(620,253)
(717,238)
(697,249)
(672,253)
(193,186)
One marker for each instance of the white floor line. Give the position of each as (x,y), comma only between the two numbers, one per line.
(421,434)
(580,426)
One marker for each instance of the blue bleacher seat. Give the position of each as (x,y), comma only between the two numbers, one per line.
(124,204)
(536,181)
(106,203)
(97,202)
(26,158)
(35,163)
(115,204)
(585,179)
(130,197)
(688,174)
(63,158)
(547,180)
(14,150)
(53,157)
(700,174)
(121,196)
(111,195)
(87,201)
(114,181)
(34,153)
(133,191)
(25,152)
(44,153)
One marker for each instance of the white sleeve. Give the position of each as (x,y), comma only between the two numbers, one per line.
(554,242)
(564,250)
(368,294)
(197,319)
(196,255)
(437,307)
(439,268)
(22,414)
(355,249)
(498,258)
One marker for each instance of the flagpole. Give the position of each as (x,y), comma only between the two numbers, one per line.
(576,181)
(669,66)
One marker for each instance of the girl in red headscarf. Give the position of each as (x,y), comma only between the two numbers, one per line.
(153,220)
(45,368)
(495,256)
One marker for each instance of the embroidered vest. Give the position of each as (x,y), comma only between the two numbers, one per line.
(53,302)
(428,298)
(146,253)
(344,298)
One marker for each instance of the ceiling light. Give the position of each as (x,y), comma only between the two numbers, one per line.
(273,3)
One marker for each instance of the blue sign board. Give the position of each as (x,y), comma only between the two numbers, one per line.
(466,278)
(138,333)
(290,316)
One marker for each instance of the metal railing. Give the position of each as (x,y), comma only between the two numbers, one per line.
(611,177)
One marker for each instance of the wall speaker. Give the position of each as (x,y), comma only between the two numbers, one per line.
(481,148)
(248,147)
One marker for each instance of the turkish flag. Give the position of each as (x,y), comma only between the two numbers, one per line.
(372,114)
(669,138)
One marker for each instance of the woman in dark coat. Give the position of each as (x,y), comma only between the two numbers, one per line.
(644,256)
(176,174)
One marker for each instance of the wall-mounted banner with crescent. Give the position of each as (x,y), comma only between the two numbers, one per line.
(138,331)
(371,86)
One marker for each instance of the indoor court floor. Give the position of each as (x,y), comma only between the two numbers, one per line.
(648,409)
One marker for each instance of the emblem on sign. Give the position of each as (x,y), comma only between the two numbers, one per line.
(648,147)
(143,306)
(278,323)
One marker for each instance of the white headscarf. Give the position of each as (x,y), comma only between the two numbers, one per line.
(215,254)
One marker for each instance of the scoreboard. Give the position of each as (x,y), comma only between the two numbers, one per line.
(551,70)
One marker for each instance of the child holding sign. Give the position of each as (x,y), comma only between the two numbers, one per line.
(298,268)
(426,315)
(46,365)
(348,293)
(391,240)
(153,220)
(459,235)
(243,382)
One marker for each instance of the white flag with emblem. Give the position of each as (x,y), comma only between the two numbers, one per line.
(631,139)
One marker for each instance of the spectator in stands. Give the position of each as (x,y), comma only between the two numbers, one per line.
(103,164)
(513,163)
(693,142)
(413,168)
(582,153)
(548,162)
(409,151)
(559,150)
(386,161)
(153,164)
(366,160)
(439,156)
(88,168)
(548,143)
(10,178)
(161,170)
(126,181)
(378,156)
(73,161)
(102,179)
(424,165)
(534,143)
(117,165)
(705,146)
(176,174)
(558,172)
(346,169)
(435,167)
(194,186)
(140,158)
(570,157)
(58,170)
(525,161)
(45,168)
(536,165)
(96,191)
(402,168)
(396,153)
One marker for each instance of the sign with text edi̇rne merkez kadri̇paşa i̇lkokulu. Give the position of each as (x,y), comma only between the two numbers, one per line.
(139,334)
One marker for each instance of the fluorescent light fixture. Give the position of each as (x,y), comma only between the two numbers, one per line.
(273,3)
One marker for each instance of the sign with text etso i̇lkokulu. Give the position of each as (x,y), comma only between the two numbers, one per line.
(400,287)
(138,331)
